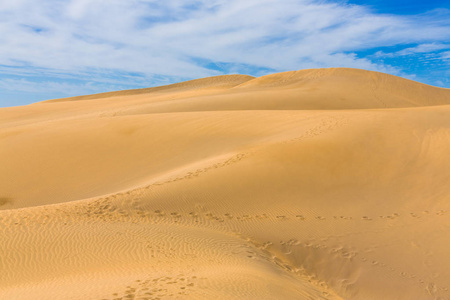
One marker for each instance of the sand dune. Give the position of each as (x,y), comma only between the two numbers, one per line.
(314,184)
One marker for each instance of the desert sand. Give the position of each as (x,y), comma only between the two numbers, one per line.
(313,184)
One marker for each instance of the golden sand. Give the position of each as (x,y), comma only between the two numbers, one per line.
(314,184)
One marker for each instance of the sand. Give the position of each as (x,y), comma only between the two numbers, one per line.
(314,184)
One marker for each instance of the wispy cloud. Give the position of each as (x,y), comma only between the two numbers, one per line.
(181,39)
(445,55)
(419,49)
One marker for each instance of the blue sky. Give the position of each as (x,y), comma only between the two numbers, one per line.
(61,48)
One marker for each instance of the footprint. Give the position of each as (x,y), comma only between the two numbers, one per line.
(431,289)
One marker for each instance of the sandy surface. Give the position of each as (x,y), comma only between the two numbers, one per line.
(315,184)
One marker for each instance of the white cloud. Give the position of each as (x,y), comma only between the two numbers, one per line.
(445,55)
(424,48)
(28,86)
(419,49)
(178,37)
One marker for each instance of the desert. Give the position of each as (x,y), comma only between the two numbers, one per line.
(325,183)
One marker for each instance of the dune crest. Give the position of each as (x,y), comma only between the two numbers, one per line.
(216,82)
(312,184)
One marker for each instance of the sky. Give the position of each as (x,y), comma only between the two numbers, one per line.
(60,48)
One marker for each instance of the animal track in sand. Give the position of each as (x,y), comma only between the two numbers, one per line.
(108,209)
(158,288)
(103,208)
(283,263)
(407,276)
(191,174)
(326,125)
(293,245)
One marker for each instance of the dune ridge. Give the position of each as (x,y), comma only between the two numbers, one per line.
(216,82)
(312,184)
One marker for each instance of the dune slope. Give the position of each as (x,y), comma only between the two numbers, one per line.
(313,184)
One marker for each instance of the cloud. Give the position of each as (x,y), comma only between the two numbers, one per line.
(424,48)
(180,39)
(445,55)
(28,86)
(419,49)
